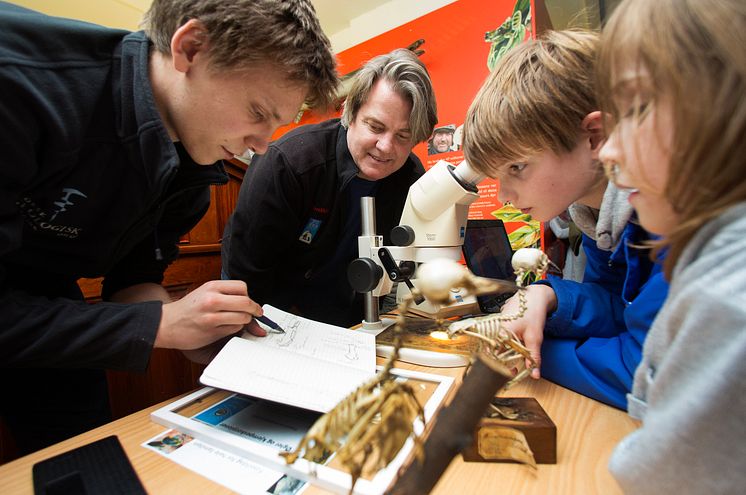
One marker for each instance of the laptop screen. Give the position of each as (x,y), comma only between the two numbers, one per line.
(488,253)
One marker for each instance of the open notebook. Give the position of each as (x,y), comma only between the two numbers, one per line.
(312,365)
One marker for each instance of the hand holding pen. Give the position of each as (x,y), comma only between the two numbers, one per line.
(216,309)
(271,324)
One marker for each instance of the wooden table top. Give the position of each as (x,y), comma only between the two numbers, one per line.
(587,432)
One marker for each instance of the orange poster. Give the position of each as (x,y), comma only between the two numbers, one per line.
(459,44)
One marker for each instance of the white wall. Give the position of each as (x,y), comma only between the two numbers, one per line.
(350,25)
(383,18)
(124,14)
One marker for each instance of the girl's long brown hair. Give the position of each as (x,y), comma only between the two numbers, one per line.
(694,51)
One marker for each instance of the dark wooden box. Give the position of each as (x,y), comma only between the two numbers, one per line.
(532,420)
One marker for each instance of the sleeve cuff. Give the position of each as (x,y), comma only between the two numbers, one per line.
(561,318)
(141,346)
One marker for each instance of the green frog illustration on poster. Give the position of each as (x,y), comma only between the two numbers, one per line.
(511,33)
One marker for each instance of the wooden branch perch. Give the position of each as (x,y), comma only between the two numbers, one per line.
(453,427)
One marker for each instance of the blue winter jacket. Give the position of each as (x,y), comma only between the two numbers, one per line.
(593,341)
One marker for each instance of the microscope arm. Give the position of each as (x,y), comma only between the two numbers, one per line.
(437,209)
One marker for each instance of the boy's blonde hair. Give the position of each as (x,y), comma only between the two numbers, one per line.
(693,51)
(533,101)
(245,33)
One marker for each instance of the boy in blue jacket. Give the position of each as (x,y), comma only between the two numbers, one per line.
(535,126)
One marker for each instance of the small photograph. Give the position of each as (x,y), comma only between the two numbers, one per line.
(170,441)
(224,409)
(443,139)
(286,486)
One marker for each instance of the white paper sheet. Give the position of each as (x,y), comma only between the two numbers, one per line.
(230,470)
(319,340)
(312,365)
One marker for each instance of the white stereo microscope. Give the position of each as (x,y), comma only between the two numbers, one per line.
(432,226)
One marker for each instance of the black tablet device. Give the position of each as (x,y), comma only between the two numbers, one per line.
(488,253)
(98,467)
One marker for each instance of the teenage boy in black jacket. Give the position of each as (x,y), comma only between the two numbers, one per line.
(295,227)
(110,142)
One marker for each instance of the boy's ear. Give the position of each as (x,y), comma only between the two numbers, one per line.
(188,41)
(593,125)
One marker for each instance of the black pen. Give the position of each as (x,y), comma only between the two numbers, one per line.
(271,324)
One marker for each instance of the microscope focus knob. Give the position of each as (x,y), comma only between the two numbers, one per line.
(402,235)
(364,274)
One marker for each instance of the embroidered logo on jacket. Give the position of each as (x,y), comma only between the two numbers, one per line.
(60,205)
(41,219)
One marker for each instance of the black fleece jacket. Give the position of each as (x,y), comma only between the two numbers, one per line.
(90,185)
(302,183)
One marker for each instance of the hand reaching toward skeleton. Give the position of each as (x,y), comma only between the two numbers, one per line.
(529,328)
